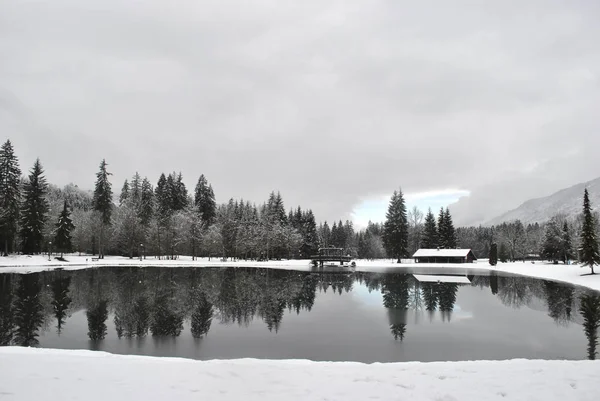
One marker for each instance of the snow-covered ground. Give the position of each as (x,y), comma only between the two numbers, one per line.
(31,374)
(569,273)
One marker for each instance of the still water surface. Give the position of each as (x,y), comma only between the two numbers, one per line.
(205,313)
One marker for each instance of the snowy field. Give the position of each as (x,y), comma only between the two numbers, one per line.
(31,374)
(570,273)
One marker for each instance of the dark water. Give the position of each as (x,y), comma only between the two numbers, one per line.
(224,313)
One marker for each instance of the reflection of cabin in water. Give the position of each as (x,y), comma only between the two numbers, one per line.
(444,256)
(330,255)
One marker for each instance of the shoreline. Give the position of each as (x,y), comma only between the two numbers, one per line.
(571,274)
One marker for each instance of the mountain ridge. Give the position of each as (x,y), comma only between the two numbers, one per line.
(567,201)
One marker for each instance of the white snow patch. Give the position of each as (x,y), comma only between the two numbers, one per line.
(31,374)
(443,253)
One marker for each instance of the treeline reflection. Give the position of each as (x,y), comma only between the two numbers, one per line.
(158,301)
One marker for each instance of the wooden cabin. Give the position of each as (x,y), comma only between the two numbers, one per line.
(444,256)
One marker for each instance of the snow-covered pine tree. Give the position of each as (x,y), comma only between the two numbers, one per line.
(589,254)
(334,235)
(311,238)
(34,212)
(124,193)
(276,209)
(204,199)
(161,197)
(10,195)
(395,229)
(135,188)
(146,209)
(567,244)
(171,192)
(64,227)
(341,236)
(442,230)
(451,242)
(325,235)
(180,197)
(103,202)
(552,248)
(430,232)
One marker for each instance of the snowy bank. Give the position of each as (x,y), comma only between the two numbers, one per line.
(565,273)
(29,374)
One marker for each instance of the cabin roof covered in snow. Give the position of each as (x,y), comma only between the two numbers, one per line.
(443,253)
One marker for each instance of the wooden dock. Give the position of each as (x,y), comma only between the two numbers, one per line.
(330,255)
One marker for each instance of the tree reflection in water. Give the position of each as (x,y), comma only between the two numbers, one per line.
(590,311)
(28,311)
(7,319)
(97,316)
(160,300)
(60,299)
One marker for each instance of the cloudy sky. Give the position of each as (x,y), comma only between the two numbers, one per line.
(334,103)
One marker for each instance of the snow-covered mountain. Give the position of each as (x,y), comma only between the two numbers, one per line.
(568,201)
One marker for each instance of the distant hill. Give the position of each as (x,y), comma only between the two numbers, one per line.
(568,201)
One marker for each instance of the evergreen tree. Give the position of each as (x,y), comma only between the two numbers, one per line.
(180,197)
(325,235)
(395,229)
(567,244)
(204,199)
(442,229)
(64,227)
(10,195)
(124,193)
(34,210)
(494,254)
(135,188)
(310,245)
(146,209)
(161,195)
(451,241)
(276,209)
(552,249)
(171,192)
(588,249)
(430,232)
(103,202)
(334,234)
(446,232)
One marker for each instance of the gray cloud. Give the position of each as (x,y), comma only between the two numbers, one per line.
(328,101)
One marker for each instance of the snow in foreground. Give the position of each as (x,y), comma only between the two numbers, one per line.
(31,374)
(565,273)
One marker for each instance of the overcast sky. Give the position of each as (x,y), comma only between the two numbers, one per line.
(334,103)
